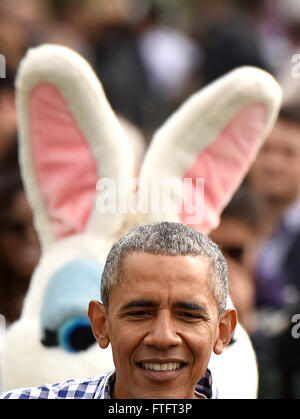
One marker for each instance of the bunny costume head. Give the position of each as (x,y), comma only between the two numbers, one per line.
(78,171)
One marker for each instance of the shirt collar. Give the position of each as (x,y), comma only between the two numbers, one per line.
(204,388)
(104,388)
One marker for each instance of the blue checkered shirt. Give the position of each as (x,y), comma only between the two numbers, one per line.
(92,388)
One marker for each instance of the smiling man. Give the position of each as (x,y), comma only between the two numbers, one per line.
(164,289)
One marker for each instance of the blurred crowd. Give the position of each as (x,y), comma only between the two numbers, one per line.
(132,45)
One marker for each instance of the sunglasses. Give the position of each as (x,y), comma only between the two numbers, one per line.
(235,252)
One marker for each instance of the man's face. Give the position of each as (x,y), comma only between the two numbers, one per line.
(276,171)
(163,324)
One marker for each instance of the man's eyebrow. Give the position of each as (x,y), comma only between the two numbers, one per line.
(139,304)
(187,305)
(190,305)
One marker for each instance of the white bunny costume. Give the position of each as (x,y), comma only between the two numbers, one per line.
(70,144)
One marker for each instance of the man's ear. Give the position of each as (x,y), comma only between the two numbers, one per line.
(98,318)
(227,324)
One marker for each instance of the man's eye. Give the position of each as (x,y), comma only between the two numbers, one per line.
(190,316)
(140,313)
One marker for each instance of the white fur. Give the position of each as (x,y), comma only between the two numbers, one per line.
(237,364)
(31,364)
(79,86)
(195,125)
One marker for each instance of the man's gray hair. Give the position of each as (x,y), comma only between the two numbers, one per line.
(170,239)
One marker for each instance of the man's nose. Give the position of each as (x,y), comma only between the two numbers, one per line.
(163,332)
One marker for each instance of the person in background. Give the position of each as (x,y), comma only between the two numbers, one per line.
(275,177)
(8,117)
(237,236)
(227,34)
(19,246)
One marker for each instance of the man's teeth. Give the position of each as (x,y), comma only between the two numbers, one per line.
(166,366)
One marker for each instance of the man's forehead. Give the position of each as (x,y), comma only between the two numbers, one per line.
(148,265)
(139,259)
(163,279)
(152,280)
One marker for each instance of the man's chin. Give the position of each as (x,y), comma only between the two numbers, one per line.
(160,395)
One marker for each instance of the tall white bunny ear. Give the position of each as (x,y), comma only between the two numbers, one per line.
(69,139)
(208,146)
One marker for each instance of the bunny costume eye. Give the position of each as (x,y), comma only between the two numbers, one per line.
(64,319)
(76,334)
(70,139)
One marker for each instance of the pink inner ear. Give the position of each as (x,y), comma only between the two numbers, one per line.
(222,166)
(64,166)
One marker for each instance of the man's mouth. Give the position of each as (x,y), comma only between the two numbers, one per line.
(162,366)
